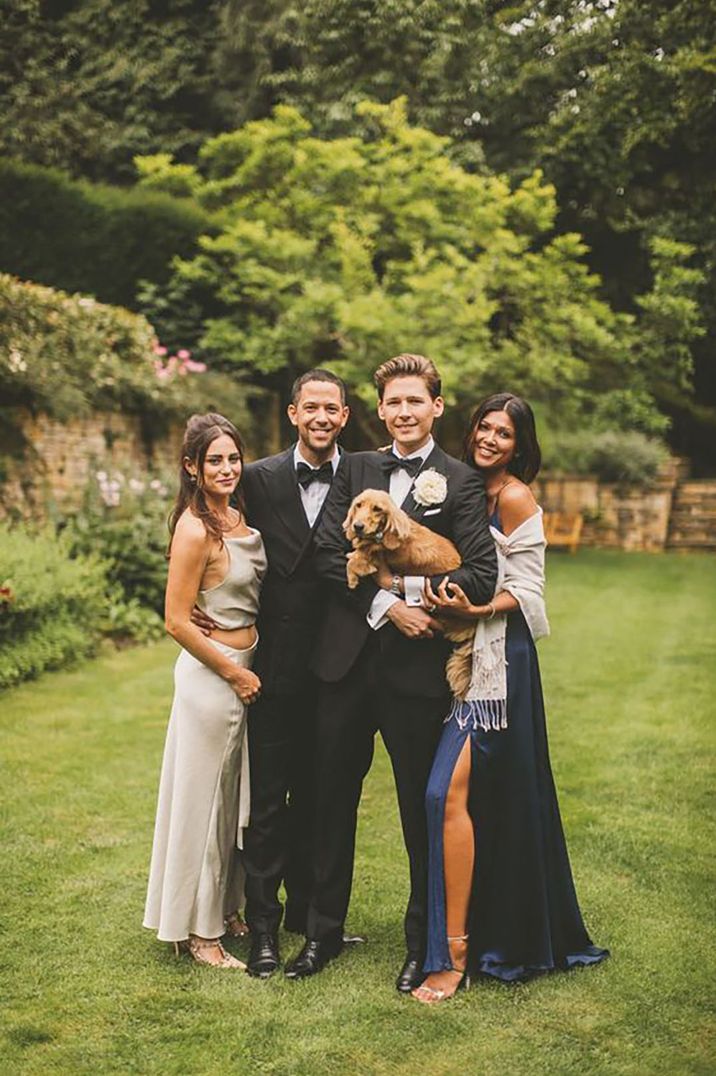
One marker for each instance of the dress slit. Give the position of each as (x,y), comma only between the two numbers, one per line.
(441,777)
(524,919)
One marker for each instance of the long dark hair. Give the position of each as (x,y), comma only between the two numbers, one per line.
(525,463)
(200,431)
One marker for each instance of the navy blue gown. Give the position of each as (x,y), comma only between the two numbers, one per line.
(524,919)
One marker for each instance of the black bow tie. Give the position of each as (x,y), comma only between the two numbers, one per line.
(391,462)
(306,474)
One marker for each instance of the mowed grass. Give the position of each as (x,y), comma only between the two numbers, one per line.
(630,680)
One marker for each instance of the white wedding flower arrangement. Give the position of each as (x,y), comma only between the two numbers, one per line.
(430,488)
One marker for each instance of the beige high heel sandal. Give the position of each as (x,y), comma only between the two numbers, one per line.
(235,926)
(199,948)
(430,995)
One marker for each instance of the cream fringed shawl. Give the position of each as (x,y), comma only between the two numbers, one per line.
(520,566)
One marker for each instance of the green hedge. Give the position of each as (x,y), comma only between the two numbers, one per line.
(51,607)
(91,238)
(622,456)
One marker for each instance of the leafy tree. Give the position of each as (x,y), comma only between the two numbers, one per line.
(348,250)
(84,85)
(614,101)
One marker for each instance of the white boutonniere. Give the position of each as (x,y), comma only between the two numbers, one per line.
(430,487)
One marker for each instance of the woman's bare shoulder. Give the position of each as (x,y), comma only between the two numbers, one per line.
(517,504)
(190,533)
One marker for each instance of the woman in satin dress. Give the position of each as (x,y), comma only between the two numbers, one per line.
(501,899)
(216,562)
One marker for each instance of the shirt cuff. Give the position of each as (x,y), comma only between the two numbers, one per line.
(414,589)
(379,607)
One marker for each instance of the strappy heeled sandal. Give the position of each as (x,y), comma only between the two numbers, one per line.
(235,926)
(199,948)
(431,995)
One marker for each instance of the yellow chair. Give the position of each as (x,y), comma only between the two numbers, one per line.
(563,530)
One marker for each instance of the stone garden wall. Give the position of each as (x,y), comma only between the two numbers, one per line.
(58,461)
(672,513)
(46,466)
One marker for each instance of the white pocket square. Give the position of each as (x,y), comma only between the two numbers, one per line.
(432,512)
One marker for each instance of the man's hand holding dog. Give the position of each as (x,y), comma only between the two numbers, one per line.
(413,622)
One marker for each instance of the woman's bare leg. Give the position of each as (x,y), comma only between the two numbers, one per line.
(459,863)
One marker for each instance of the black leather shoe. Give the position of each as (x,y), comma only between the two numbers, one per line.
(263,959)
(411,974)
(313,958)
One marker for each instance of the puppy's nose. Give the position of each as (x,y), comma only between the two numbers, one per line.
(359,527)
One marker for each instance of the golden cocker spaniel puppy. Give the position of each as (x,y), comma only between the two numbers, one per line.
(380,531)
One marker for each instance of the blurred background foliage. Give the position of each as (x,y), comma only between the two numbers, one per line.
(613,101)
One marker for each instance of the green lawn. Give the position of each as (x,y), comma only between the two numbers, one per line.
(630,679)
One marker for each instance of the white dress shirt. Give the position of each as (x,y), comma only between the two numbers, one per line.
(400,484)
(313,496)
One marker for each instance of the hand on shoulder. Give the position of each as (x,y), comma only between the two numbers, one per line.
(517,504)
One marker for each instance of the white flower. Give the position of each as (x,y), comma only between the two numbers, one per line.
(136,486)
(16,362)
(430,487)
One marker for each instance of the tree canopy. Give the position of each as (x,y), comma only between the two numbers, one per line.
(346,250)
(614,101)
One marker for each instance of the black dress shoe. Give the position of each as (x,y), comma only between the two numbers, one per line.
(313,958)
(411,974)
(263,959)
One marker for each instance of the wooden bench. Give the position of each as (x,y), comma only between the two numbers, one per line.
(563,530)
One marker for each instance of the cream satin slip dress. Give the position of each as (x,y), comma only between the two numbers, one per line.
(195,878)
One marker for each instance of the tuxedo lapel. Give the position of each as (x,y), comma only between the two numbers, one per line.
(436,460)
(285,498)
(309,532)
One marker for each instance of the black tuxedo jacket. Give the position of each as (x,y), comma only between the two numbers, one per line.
(293,595)
(411,666)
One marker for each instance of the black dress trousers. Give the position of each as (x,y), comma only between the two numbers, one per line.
(278,841)
(349,714)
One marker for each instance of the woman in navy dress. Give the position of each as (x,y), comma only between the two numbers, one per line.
(501,896)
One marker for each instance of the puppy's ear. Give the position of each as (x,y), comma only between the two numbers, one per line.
(397,528)
(348,523)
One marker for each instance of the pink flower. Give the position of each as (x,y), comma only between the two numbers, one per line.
(195,367)
(184,354)
(159,350)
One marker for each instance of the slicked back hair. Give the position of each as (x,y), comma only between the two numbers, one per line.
(407,365)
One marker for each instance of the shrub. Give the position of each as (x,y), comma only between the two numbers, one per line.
(128,621)
(123,521)
(51,605)
(68,354)
(612,455)
(96,239)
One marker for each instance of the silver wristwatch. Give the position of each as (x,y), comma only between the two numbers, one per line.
(395,586)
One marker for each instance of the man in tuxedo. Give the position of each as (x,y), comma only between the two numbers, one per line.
(285,496)
(380,657)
